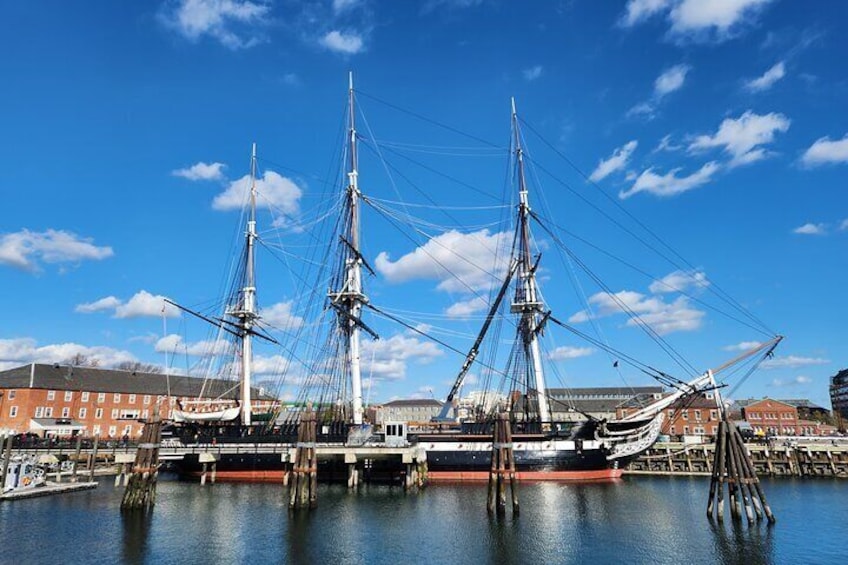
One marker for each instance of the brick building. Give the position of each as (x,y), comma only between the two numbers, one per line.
(770,417)
(694,416)
(61,400)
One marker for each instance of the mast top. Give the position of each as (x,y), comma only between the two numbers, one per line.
(512,100)
(350,80)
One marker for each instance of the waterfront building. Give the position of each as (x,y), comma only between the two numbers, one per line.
(839,396)
(769,416)
(415,411)
(603,403)
(61,400)
(690,416)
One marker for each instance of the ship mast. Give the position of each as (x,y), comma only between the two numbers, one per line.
(527,302)
(245,312)
(349,300)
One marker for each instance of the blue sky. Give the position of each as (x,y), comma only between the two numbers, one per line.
(126,137)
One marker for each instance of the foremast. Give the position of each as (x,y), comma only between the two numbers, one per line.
(527,302)
(245,310)
(348,300)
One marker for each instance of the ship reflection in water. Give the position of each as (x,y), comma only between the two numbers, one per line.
(634,520)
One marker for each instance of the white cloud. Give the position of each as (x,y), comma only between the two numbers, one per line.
(533,73)
(663,317)
(280,316)
(345,5)
(792,362)
(145,304)
(19,351)
(348,43)
(680,281)
(460,261)
(26,249)
(695,19)
(670,184)
(387,358)
(108,303)
(173,344)
(844,225)
(824,151)
(231,22)
(743,346)
(768,78)
(569,352)
(615,162)
(670,80)
(274,191)
(811,229)
(201,171)
(743,137)
(665,144)
(466,307)
(799,380)
(638,11)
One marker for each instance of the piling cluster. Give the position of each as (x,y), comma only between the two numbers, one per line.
(502,469)
(141,486)
(733,467)
(303,485)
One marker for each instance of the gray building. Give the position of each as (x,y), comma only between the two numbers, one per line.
(574,404)
(412,410)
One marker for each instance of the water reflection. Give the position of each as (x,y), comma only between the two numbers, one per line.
(136,532)
(738,543)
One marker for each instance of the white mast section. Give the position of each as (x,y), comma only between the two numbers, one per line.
(350,297)
(527,302)
(246,310)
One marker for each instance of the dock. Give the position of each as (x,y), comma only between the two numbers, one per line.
(47,490)
(770,460)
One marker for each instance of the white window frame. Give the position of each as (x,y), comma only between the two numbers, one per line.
(101,397)
(69,395)
(51,395)
(13,411)
(132,399)
(83,412)
(116,398)
(84,396)
(146,399)
(66,412)
(48,412)
(98,414)
(114,413)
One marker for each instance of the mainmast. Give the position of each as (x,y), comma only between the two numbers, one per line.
(349,300)
(527,302)
(245,311)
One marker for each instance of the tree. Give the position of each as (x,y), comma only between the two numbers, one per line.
(138,367)
(81,360)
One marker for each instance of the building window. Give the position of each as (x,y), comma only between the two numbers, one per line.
(98,414)
(129,414)
(51,395)
(114,413)
(13,411)
(85,396)
(713,414)
(66,412)
(96,430)
(132,399)
(117,397)
(698,415)
(685,430)
(145,414)
(715,430)
(48,412)
(147,399)
(685,414)
(82,413)
(112,431)
(101,397)
(11,394)
(69,395)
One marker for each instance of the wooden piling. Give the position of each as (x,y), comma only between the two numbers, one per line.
(303,485)
(76,458)
(140,493)
(93,460)
(733,467)
(503,466)
(6,447)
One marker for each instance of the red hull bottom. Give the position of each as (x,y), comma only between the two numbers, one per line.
(242,476)
(463,476)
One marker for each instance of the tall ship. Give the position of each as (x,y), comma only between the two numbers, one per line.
(458,443)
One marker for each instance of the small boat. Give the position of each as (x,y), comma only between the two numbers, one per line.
(23,473)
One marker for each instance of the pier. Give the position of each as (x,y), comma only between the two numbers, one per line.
(778,459)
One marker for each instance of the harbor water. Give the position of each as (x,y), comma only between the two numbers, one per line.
(634,520)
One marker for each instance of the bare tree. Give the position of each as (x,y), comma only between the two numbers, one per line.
(138,367)
(81,360)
